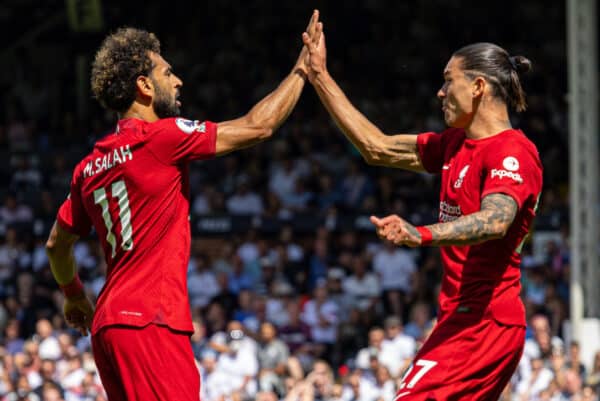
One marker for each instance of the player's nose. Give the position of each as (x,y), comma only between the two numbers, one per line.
(441,93)
(178,82)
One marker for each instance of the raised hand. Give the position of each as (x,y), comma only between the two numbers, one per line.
(303,60)
(397,230)
(314,42)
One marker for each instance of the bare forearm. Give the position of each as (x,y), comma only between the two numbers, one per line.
(375,147)
(263,119)
(274,109)
(59,249)
(63,267)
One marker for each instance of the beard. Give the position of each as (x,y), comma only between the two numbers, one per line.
(164,105)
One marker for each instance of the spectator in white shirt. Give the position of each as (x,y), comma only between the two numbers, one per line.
(202,283)
(49,345)
(244,201)
(372,351)
(13,212)
(396,268)
(540,379)
(362,286)
(238,361)
(398,349)
(321,315)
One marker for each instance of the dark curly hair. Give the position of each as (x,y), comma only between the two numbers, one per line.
(122,57)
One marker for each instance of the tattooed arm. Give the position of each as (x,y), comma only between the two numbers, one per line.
(492,221)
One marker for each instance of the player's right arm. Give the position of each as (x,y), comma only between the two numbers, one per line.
(71,223)
(376,148)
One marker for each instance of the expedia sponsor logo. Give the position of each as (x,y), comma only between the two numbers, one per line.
(509,174)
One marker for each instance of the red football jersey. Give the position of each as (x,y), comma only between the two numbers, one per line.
(484,279)
(133,188)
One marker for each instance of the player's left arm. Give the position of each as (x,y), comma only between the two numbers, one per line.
(268,114)
(263,119)
(492,221)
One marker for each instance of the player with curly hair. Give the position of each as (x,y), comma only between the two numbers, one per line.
(133,189)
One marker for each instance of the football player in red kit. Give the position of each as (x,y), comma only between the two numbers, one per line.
(133,190)
(491,178)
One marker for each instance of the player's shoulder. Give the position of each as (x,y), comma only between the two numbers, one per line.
(453,135)
(515,141)
(176,125)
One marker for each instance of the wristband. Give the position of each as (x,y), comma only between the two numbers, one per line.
(74,288)
(426,236)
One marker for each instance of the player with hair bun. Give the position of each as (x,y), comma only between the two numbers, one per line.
(491,178)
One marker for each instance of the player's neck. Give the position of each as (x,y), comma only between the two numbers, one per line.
(141,112)
(488,122)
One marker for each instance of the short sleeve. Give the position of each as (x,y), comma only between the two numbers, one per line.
(432,148)
(512,169)
(176,140)
(72,216)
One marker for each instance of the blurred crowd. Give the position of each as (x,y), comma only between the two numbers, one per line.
(311,314)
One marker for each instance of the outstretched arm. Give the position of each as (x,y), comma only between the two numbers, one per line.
(492,221)
(268,114)
(375,147)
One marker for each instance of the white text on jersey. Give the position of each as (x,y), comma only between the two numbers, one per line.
(108,161)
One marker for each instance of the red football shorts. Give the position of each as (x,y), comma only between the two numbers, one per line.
(146,363)
(464,360)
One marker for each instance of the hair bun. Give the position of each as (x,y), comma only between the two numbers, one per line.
(520,64)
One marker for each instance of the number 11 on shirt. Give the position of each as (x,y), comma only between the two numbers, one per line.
(119,191)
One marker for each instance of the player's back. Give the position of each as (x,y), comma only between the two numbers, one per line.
(133,187)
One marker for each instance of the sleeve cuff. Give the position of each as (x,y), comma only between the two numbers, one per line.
(69,228)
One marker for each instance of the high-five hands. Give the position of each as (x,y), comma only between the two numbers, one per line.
(314,42)
(303,60)
(396,230)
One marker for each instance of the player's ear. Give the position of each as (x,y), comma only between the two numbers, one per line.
(478,87)
(144,85)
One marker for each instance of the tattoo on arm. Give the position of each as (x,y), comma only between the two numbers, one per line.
(492,222)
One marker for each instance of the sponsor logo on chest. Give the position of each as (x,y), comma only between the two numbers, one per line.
(449,212)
